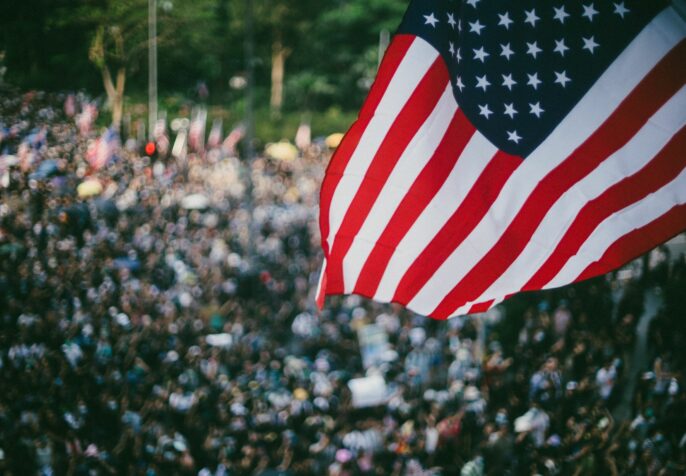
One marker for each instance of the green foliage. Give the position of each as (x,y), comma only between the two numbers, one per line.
(332,46)
(343,47)
(45,46)
(323,123)
(306,87)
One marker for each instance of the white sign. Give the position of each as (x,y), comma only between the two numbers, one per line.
(368,391)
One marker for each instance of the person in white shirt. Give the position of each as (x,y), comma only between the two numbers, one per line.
(605,379)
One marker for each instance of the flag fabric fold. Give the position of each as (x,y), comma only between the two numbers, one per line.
(507,147)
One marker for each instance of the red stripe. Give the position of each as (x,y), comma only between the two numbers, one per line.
(420,194)
(661,170)
(651,93)
(413,114)
(470,212)
(481,307)
(638,241)
(392,59)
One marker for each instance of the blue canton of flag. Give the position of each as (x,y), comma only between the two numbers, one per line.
(518,68)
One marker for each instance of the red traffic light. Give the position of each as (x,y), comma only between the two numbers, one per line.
(150,148)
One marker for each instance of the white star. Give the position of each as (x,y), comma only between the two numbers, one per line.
(480,54)
(590,44)
(508,82)
(451,49)
(533,80)
(482,82)
(505,20)
(473,2)
(536,109)
(512,136)
(531,17)
(430,20)
(589,12)
(621,10)
(561,78)
(459,83)
(506,51)
(451,20)
(476,27)
(560,47)
(560,14)
(510,110)
(533,49)
(458,56)
(485,111)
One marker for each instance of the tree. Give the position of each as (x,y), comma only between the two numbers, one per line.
(285,24)
(117,45)
(41,37)
(308,54)
(346,48)
(198,40)
(98,55)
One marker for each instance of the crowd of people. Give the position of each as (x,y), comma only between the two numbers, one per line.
(165,325)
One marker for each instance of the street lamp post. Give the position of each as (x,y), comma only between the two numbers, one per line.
(249,50)
(249,77)
(152,67)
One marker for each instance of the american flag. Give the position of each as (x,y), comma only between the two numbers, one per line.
(102,150)
(215,138)
(509,146)
(196,134)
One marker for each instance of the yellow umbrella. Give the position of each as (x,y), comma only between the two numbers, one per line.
(283,150)
(334,140)
(89,188)
(300,394)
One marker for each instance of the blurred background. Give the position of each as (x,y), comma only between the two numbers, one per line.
(311,59)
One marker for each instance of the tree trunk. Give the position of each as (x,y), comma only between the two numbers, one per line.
(115,94)
(279,55)
(118,103)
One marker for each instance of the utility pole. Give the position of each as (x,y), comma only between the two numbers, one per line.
(152,67)
(249,77)
(249,50)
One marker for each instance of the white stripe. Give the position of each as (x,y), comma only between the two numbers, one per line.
(619,224)
(623,75)
(417,61)
(460,181)
(417,154)
(628,160)
(463,310)
(320,281)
